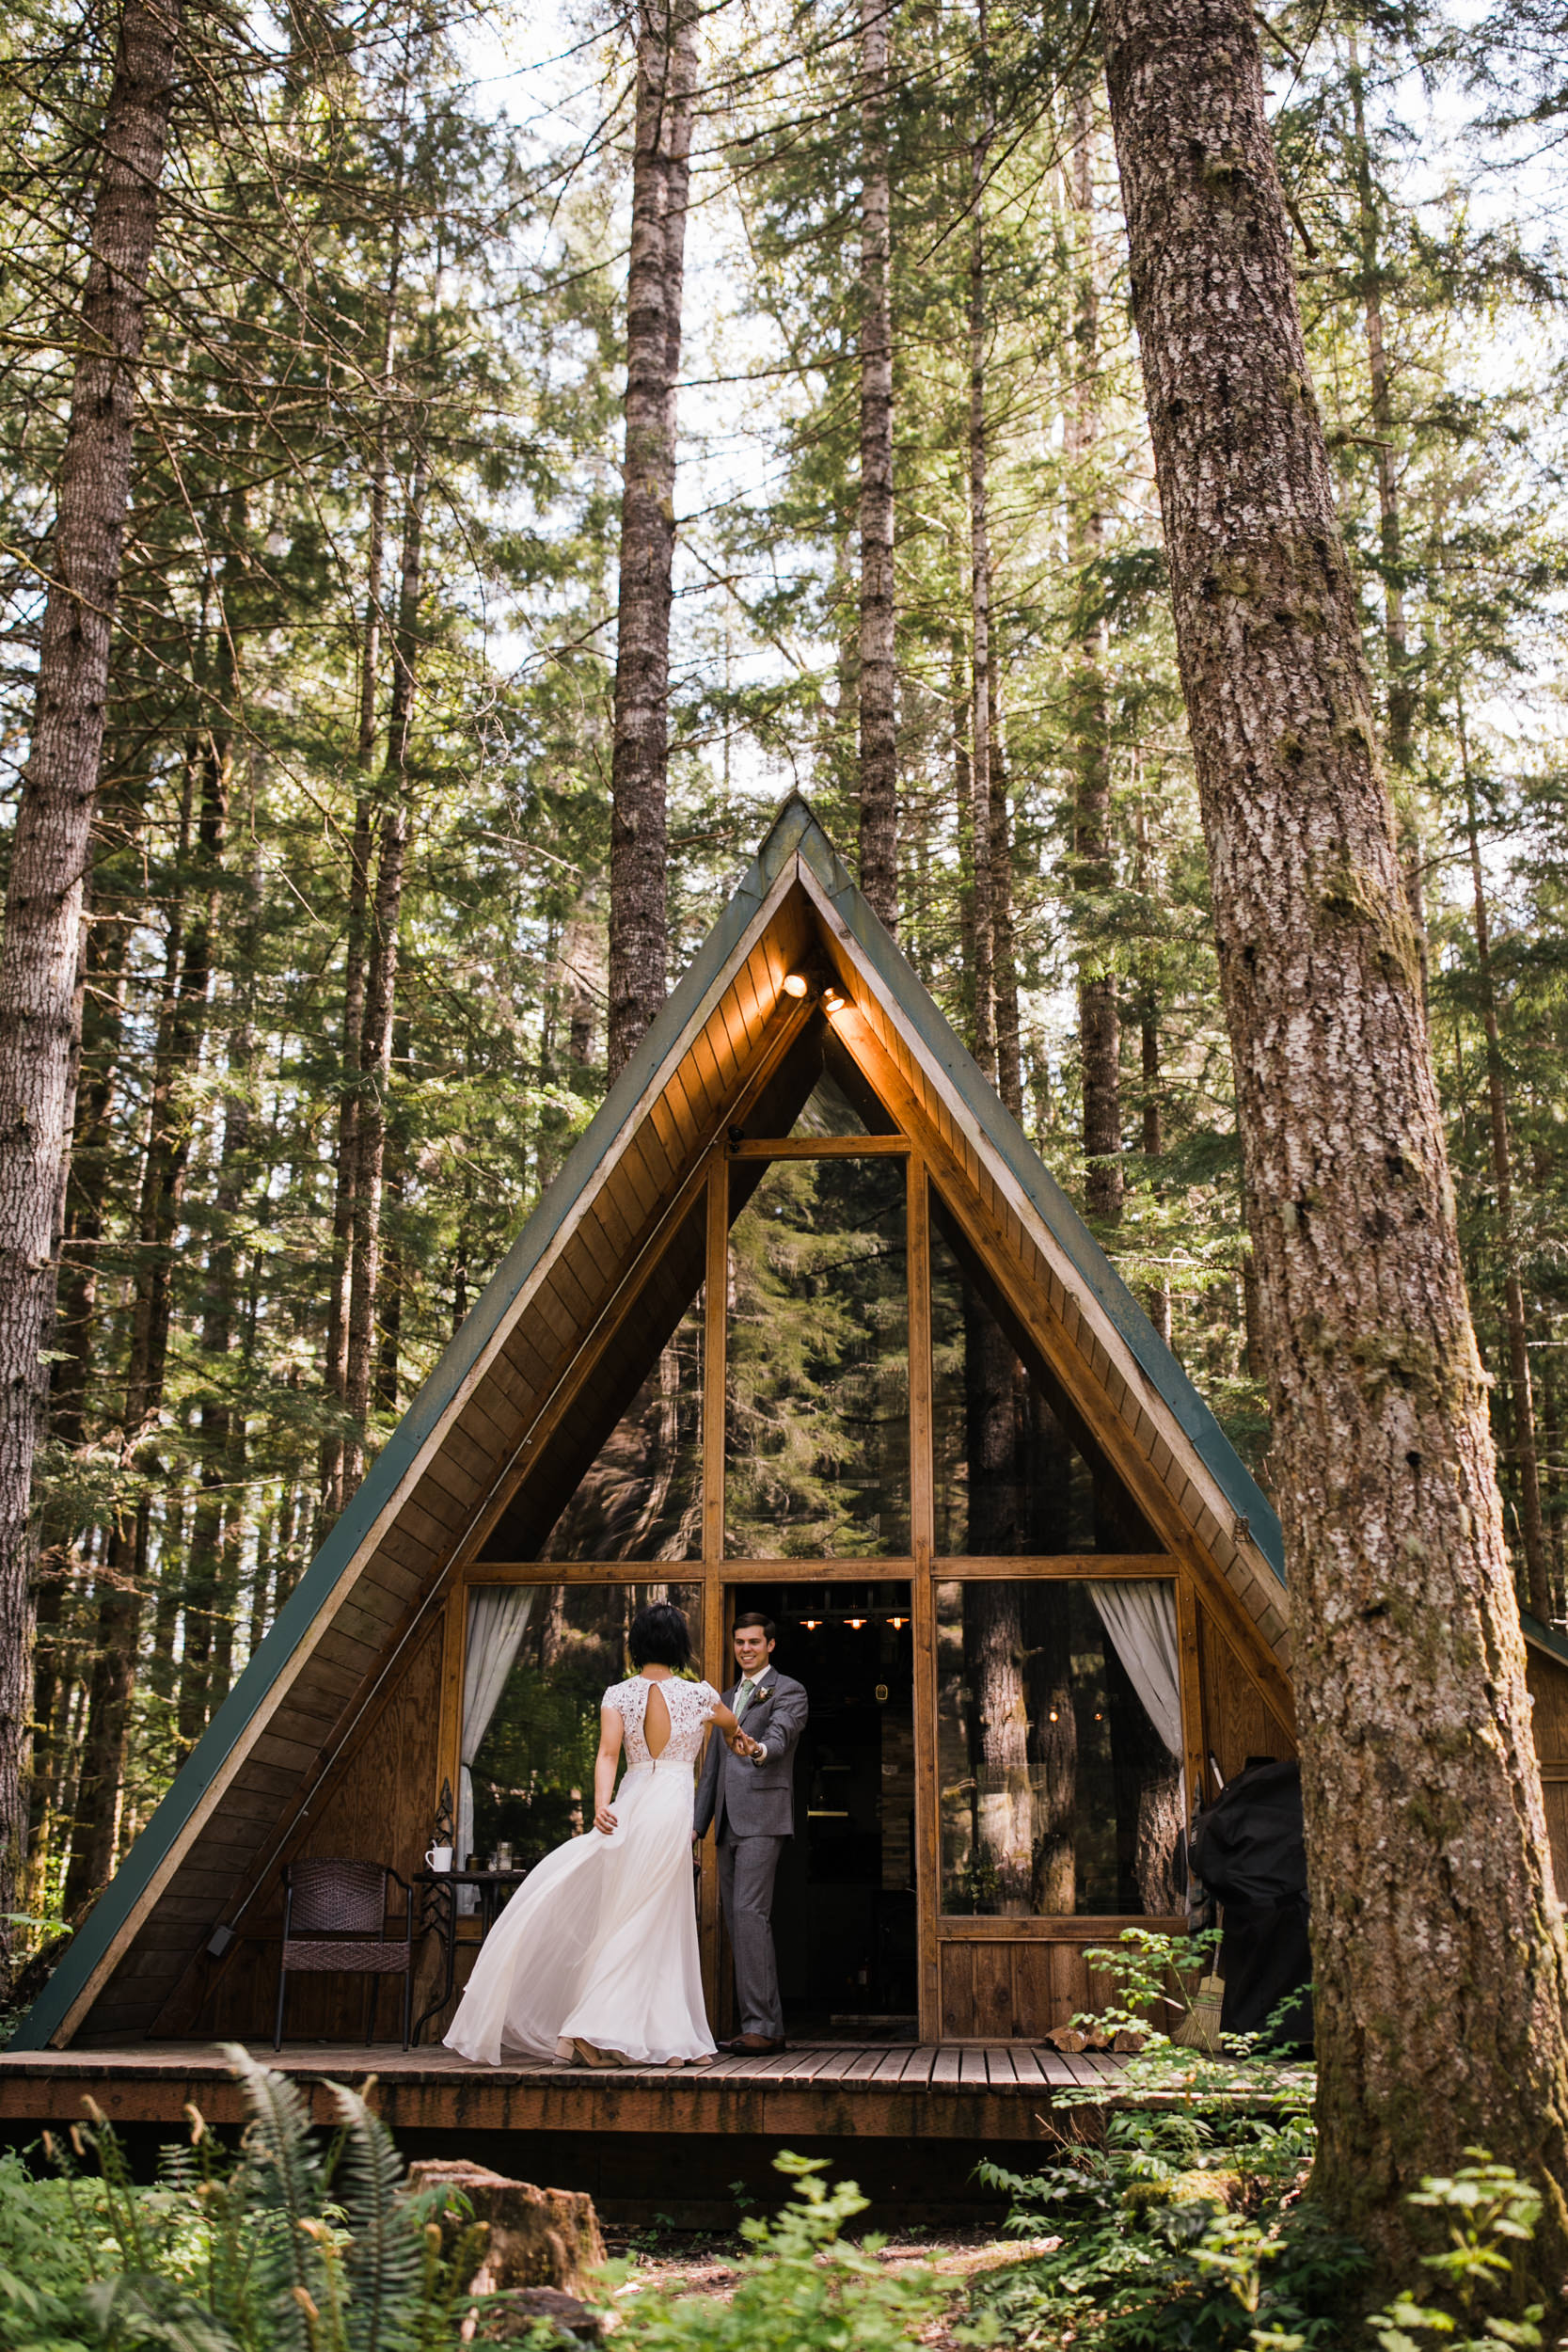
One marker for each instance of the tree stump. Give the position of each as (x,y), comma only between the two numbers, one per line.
(538,2237)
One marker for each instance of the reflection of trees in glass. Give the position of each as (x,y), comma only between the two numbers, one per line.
(533,1775)
(1057,1793)
(817,1379)
(1015,1472)
(641,1497)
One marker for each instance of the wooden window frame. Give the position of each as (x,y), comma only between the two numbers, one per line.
(921,1567)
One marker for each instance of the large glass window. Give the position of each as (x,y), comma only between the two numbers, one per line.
(641,1496)
(1014,1472)
(817,1441)
(538,1658)
(1059,1747)
(621,1477)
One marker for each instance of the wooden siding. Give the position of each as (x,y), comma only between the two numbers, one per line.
(1237,1720)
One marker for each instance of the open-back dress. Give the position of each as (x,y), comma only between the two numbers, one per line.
(599,1942)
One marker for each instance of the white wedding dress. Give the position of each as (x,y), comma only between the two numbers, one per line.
(599,1944)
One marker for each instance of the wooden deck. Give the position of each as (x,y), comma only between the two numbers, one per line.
(984,2094)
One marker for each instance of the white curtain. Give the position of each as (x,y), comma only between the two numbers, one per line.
(1139,1615)
(497,1619)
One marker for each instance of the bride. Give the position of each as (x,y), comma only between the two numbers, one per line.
(593,1961)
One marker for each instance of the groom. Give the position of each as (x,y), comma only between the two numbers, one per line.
(750,1793)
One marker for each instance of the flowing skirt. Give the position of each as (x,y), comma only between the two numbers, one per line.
(599,1944)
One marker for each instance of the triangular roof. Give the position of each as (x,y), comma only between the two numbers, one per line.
(463,1442)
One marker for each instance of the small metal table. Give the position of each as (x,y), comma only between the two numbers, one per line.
(438,1915)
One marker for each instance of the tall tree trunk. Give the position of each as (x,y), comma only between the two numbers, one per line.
(1152,1142)
(375,1052)
(1099,1016)
(1401,684)
(639,841)
(983,1041)
(123,1579)
(91,1160)
(54,828)
(1430,1871)
(963,812)
(1532,1532)
(878,733)
(334,1368)
(217,1529)
(1009,1065)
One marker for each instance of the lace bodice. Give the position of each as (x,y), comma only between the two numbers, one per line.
(690,1705)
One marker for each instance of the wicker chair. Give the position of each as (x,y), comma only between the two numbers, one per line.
(334,1918)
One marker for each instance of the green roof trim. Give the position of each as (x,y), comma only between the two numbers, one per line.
(795,830)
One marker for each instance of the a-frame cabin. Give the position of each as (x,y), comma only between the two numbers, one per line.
(803,1323)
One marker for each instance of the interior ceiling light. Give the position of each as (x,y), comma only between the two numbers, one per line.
(855,1624)
(898,1622)
(796,984)
(811,1624)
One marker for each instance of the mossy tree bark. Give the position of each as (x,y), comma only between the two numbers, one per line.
(661,168)
(1437,1940)
(39,1002)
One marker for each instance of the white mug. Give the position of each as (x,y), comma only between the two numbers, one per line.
(440,1858)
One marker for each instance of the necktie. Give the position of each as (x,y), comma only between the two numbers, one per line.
(744,1697)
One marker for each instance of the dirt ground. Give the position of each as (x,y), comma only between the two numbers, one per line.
(693,2264)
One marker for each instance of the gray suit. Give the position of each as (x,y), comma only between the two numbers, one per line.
(753,1806)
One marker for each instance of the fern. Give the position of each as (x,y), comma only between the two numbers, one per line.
(385,2254)
(285,2183)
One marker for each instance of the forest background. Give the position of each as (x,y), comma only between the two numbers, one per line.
(346,985)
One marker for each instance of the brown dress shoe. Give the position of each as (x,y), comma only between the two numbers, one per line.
(755,2045)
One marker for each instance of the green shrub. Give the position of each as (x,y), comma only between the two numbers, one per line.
(801,2289)
(280,2248)
(1175,2229)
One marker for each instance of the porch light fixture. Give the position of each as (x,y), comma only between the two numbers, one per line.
(832,1000)
(796,984)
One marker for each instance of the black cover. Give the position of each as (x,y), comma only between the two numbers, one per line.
(1248,1850)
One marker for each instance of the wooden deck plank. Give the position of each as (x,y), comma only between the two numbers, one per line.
(981,2095)
(806,2065)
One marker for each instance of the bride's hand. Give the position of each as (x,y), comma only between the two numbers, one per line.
(604,1821)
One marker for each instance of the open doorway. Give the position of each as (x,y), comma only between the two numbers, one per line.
(844,1906)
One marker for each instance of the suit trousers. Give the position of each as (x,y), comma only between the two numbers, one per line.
(747,1868)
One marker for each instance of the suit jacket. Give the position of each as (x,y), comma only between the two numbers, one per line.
(758,1799)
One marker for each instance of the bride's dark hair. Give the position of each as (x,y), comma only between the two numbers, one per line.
(660,1636)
